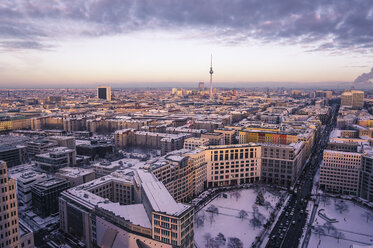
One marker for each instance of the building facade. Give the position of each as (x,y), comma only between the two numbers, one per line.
(232,164)
(340,172)
(9,233)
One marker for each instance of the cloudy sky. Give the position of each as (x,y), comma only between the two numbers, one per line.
(80,43)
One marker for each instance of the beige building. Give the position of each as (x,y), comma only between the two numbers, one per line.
(354,99)
(123,138)
(232,164)
(128,208)
(282,164)
(340,172)
(214,138)
(183,173)
(9,233)
(229,135)
(192,143)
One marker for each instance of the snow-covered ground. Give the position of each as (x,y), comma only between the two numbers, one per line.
(353,226)
(227,221)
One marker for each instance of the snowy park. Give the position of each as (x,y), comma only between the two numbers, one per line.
(234,219)
(341,223)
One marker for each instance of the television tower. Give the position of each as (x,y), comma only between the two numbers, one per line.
(211,72)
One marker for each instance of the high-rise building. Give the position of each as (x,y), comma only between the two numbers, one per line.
(201,86)
(354,99)
(9,233)
(104,92)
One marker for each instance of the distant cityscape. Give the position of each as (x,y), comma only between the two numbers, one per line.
(201,167)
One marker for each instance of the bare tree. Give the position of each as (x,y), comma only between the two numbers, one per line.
(319,230)
(211,217)
(341,206)
(235,243)
(260,199)
(213,209)
(200,221)
(339,235)
(236,194)
(207,237)
(326,200)
(268,205)
(220,239)
(255,222)
(367,215)
(212,243)
(330,227)
(242,214)
(257,219)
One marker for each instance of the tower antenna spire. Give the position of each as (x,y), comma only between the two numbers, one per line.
(211,72)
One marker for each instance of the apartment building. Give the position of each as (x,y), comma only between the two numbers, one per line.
(56,159)
(64,141)
(214,138)
(192,143)
(282,164)
(232,164)
(25,179)
(129,208)
(9,233)
(39,146)
(366,179)
(105,168)
(229,135)
(183,173)
(75,175)
(45,196)
(13,154)
(340,172)
(354,99)
(268,137)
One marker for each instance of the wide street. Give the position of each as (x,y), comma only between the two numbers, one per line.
(289,227)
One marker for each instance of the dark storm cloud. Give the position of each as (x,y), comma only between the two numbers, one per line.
(325,25)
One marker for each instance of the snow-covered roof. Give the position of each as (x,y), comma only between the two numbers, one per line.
(161,200)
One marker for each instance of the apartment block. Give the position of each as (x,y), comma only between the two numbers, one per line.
(183,173)
(366,179)
(229,135)
(232,164)
(45,196)
(340,172)
(282,164)
(13,155)
(193,143)
(56,159)
(9,233)
(75,175)
(128,208)
(25,179)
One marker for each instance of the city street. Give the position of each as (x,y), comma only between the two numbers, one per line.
(289,227)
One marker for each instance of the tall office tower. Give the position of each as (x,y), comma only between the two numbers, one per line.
(9,233)
(201,86)
(357,98)
(211,72)
(354,98)
(104,92)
